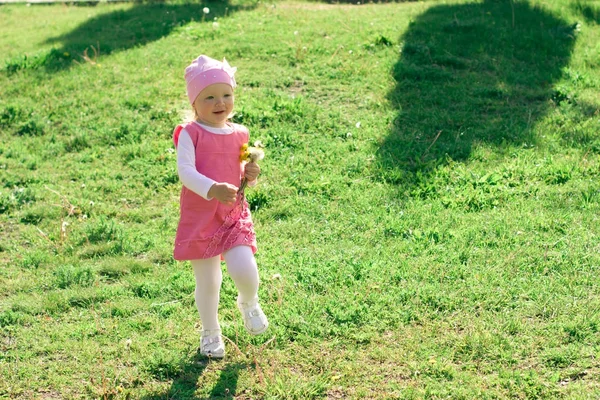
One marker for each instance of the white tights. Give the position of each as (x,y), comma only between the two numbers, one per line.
(242,268)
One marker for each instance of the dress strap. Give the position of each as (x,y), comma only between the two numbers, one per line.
(176,133)
(178,129)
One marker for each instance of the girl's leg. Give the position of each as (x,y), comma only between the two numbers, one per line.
(208,286)
(241,265)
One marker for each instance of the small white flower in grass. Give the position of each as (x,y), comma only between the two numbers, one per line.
(205,10)
(215,25)
(128,344)
(358,124)
(276,276)
(63,230)
(350,52)
(83,185)
(295,32)
(91,203)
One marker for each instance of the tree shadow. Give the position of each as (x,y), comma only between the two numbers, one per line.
(185,385)
(590,12)
(358,3)
(470,74)
(121,30)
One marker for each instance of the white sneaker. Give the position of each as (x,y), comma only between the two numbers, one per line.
(211,344)
(255,319)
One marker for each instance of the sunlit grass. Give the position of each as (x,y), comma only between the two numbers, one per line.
(427,214)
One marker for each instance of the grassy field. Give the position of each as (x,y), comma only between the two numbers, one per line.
(427,217)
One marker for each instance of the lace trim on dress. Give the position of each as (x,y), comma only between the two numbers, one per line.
(236,223)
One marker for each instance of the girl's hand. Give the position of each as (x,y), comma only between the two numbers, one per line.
(251,171)
(225,193)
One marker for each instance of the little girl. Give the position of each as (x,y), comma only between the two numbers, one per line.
(215,222)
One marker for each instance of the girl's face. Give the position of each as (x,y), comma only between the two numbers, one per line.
(214,104)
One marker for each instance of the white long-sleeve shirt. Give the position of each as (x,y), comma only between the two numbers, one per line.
(186,162)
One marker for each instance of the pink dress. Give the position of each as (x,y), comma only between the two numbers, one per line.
(208,228)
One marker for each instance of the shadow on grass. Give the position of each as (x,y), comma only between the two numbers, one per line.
(185,385)
(226,387)
(120,30)
(470,74)
(589,11)
(358,2)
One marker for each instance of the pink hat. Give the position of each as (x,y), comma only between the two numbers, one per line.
(205,71)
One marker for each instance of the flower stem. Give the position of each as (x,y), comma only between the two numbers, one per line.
(243,185)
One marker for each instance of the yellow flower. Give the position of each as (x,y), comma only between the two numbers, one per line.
(244,153)
(251,154)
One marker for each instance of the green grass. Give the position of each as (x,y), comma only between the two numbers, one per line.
(427,217)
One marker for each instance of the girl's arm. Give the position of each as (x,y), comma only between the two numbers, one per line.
(186,167)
